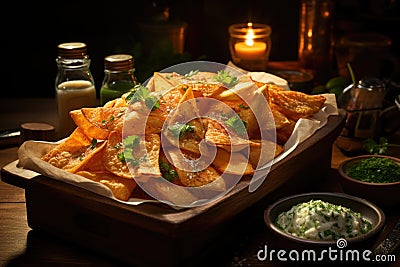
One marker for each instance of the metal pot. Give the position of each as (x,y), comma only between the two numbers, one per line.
(366,112)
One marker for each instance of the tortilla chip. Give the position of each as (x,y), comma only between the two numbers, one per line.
(200,178)
(109,119)
(263,153)
(113,156)
(74,153)
(88,128)
(294,104)
(121,188)
(233,163)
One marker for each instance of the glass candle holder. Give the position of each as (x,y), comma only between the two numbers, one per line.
(250,45)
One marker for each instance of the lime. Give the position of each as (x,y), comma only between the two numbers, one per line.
(320,89)
(338,81)
(337,91)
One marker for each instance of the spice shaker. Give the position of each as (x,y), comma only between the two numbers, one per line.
(74,84)
(119,77)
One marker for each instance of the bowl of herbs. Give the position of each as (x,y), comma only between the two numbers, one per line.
(373,177)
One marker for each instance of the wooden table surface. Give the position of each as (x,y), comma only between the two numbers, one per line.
(22,246)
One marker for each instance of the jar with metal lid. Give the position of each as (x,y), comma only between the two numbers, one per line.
(75,87)
(119,77)
(364,108)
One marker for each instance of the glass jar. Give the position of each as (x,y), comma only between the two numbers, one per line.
(119,77)
(250,45)
(315,51)
(74,84)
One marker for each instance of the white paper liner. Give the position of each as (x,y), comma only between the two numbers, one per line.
(29,162)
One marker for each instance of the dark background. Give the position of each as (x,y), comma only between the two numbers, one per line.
(31,32)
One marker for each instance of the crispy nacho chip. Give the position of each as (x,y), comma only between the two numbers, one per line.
(121,188)
(113,156)
(108,119)
(141,153)
(233,163)
(199,178)
(88,128)
(74,153)
(294,104)
(279,119)
(261,154)
(182,130)
(218,135)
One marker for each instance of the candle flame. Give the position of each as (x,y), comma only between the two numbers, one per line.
(309,33)
(250,35)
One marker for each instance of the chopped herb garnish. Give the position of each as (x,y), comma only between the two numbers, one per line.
(190,74)
(225,78)
(375,170)
(152,102)
(238,125)
(167,172)
(243,106)
(142,93)
(118,146)
(378,148)
(93,144)
(130,143)
(121,156)
(181,129)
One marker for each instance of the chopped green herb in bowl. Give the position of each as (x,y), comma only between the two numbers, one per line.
(373,177)
(375,170)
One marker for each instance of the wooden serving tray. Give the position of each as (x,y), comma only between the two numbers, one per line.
(153,234)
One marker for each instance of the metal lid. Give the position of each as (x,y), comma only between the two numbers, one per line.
(372,83)
(72,50)
(118,62)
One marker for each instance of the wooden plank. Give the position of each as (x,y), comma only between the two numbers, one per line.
(13,229)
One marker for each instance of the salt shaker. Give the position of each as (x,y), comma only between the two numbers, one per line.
(75,87)
(119,77)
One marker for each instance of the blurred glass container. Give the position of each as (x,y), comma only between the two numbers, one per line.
(298,80)
(74,84)
(119,77)
(250,45)
(315,37)
(157,33)
(367,53)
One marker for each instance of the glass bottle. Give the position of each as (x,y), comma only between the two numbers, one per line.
(119,77)
(315,37)
(74,84)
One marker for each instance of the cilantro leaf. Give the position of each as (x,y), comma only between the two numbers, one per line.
(238,125)
(142,93)
(167,172)
(225,78)
(93,144)
(180,129)
(190,74)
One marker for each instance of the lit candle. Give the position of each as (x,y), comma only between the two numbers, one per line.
(250,49)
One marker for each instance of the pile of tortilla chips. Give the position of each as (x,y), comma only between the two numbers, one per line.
(162,129)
